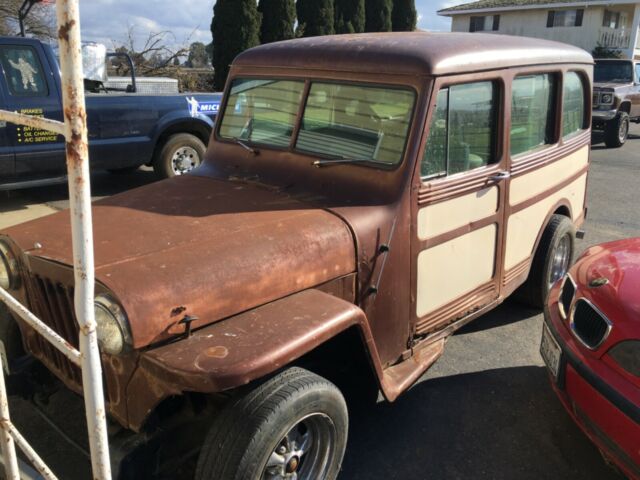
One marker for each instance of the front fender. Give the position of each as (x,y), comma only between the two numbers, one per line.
(248,346)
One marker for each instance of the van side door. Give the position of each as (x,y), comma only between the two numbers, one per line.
(31,89)
(458,207)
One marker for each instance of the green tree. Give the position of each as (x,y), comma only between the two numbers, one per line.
(349,15)
(404,17)
(278,18)
(315,17)
(235,27)
(198,56)
(378,15)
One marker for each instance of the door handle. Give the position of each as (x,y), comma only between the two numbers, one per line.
(499,176)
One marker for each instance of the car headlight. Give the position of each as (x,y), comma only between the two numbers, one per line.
(627,356)
(606,98)
(112,326)
(9,277)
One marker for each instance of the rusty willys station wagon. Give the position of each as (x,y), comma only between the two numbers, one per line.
(363,197)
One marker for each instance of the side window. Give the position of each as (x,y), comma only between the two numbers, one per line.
(572,104)
(532,112)
(637,73)
(23,71)
(463,130)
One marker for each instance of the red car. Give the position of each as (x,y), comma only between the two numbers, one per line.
(591,344)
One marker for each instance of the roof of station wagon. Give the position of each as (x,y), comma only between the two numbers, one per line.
(411,53)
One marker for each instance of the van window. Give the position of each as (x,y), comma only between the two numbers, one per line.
(24,74)
(463,130)
(532,112)
(367,123)
(262,111)
(572,104)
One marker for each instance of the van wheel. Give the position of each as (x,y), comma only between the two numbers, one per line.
(616,131)
(180,154)
(293,426)
(550,262)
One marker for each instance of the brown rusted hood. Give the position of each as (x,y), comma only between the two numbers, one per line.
(200,246)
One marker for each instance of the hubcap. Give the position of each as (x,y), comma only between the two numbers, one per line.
(305,452)
(184,160)
(624,130)
(560,262)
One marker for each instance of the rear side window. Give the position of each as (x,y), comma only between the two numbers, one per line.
(463,130)
(532,112)
(23,71)
(573,108)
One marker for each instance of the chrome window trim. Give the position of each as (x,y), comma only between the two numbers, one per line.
(599,312)
(564,314)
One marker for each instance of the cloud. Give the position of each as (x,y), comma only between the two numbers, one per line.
(107,21)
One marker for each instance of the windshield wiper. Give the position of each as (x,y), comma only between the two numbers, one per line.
(339,160)
(253,151)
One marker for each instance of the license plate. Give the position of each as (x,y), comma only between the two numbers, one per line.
(550,351)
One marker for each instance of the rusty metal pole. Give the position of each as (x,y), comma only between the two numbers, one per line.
(81,224)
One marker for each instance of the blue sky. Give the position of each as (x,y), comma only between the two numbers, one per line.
(107,21)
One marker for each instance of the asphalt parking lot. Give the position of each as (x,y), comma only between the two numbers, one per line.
(484,411)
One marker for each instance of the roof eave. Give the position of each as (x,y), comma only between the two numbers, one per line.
(542,6)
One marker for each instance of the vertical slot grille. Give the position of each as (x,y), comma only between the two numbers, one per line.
(589,325)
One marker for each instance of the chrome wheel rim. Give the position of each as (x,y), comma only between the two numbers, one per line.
(560,262)
(623,131)
(305,452)
(184,160)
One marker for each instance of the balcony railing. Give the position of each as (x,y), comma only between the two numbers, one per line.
(614,37)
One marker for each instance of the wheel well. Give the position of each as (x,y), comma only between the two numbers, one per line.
(625,107)
(199,130)
(344,361)
(563,210)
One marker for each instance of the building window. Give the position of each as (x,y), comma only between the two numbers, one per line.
(565,18)
(612,19)
(484,23)
(532,112)
(463,130)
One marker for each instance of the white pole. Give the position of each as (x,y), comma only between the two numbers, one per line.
(81,225)
(8,446)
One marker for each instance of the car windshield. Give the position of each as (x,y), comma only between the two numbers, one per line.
(613,72)
(350,122)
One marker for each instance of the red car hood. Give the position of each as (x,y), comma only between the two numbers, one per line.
(200,246)
(619,263)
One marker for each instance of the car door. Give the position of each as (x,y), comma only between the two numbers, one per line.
(7,154)
(458,208)
(30,89)
(635,96)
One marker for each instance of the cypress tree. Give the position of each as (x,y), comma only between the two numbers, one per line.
(278,18)
(404,17)
(315,17)
(349,16)
(235,27)
(378,15)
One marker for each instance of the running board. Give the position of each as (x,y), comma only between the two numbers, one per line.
(401,376)
(43,182)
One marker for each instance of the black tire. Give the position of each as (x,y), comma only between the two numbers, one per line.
(183,145)
(535,290)
(616,131)
(250,429)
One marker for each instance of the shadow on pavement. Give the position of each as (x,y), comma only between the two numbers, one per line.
(495,424)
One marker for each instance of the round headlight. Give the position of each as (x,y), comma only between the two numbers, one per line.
(9,277)
(111,325)
(606,98)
